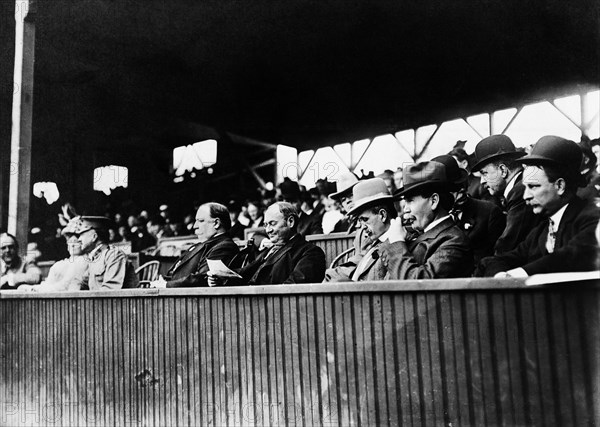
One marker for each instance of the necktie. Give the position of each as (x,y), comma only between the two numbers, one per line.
(551,239)
(455,213)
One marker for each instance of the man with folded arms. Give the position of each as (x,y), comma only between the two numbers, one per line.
(564,240)
(441,250)
(15,270)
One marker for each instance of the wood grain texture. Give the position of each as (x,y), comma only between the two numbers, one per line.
(507,356)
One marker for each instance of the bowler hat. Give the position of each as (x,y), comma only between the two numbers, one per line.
(560,152)
(555,150)
(494,147)
(290,190)
(424,175)
(81,224)
(455,174)
(369,192)
(344,185)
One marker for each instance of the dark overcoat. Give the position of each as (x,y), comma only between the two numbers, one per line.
(191,268)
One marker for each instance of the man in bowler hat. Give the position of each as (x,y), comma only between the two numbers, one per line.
(565,239)
(502,175)
(441,249)
(482,222)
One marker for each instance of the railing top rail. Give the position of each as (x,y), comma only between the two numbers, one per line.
(467,284)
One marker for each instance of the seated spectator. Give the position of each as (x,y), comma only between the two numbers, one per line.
(373,205)
(211,226)
(331,216)
(346,182)
(290,259)
(237,228)
(69,274)
(16,270)
(482,222)
(108,266)
(255,215)
(442,250)
(496,158)
(307,223)
(565,240)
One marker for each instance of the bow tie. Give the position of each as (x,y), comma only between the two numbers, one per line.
(455,213)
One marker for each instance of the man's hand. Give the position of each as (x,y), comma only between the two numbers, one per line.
(397,232)
(501,275)
(8,279)
(160,283)
(265,244)
(214,280)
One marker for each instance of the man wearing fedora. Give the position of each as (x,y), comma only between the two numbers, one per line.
(442,249)
(108,266)
(502,175)
(373,206)
(565,239)
(482,222)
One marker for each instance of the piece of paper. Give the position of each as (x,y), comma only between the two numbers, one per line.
(545,279)
(218,269)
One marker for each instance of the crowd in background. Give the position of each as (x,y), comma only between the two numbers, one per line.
(319,213)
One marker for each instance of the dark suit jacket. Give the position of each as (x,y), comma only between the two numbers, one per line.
(520,219)
(483,223)
(575,249)
(191,268)
(441,252)
(310,224)
(296,262)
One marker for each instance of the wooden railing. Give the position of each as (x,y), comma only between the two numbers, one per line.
(332,244)
(444,352)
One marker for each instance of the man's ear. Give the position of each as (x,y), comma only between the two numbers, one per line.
(503,170)
(383,214)
(435,201)
(291,220)
(561,186)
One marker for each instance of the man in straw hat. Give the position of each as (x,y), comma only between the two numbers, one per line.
(108,268)
(564,240)
(502,176)
(442,250)
(373,206)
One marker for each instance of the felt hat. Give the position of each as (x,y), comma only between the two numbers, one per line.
(344,185)
(494,147)
(557,151)
(422,176)
(455,174)
(290,190)
(367,193)
(81,224)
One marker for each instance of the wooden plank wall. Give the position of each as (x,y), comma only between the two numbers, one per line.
(414,358)
(332,244)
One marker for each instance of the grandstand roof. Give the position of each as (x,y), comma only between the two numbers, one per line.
(302,73)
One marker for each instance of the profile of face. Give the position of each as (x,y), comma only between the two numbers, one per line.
(493,178)
(347,202)
(398,179)
(421,210)
(205,226)
(542,195)
(329,204)
(373,223)
(253,211)
(8,248)
(596,151)
(278,228)
(88,240)
(73,245)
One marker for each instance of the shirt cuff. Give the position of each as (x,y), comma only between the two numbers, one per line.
(517,272)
